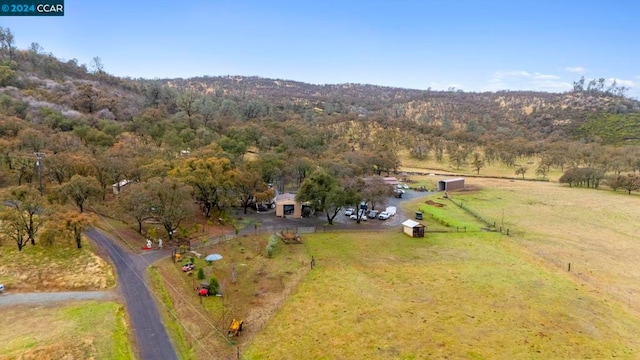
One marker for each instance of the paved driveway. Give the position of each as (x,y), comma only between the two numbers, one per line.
(150,333)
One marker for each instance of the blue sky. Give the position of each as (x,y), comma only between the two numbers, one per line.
(470,45)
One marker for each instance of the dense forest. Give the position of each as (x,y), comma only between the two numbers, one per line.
(69,131)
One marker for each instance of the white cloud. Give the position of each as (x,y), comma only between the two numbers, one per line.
(545,76)
(575,69)
(622,82)
(552,86)
(525,80)
(511,74)
(521,74)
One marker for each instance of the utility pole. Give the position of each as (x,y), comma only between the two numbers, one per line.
(39,157)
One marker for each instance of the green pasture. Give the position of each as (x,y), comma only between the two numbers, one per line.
(448,217)
(594,230)
(77,330)
(469,295)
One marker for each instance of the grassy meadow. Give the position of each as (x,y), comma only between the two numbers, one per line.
(56,268)
(430,164)
(474,295)
(469,295)
(76,330)
(594,230)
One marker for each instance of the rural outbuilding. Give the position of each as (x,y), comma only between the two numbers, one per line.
(413,228)
(286,205)
(451,184)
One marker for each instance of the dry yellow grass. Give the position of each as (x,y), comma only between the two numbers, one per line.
(430,165)
(57,268)
(595,231)
(387,296)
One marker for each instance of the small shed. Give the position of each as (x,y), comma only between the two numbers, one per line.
(413,228)
(451,184)
(286,205)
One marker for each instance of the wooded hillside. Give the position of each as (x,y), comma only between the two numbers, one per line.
(222,140)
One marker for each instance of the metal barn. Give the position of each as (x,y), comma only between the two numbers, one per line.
(451,184)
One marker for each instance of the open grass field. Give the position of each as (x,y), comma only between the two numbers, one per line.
(56,268)
(473,295)
(387,296)
(595,231)
(77,330)
(495,169)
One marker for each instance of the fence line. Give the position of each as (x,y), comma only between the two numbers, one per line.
(194,245)
(490,225)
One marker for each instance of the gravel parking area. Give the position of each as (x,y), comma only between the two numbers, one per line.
(341,221)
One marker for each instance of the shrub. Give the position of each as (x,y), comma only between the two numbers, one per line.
(271,245)
(214,286)
(200,274)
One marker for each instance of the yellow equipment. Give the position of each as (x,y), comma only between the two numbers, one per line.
(235,327)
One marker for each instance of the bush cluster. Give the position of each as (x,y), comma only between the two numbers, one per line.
(271,245)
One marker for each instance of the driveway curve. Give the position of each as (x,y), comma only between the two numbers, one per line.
(150,333)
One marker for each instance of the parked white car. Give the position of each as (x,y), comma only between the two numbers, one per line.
(384,215)
(362,214)
(391,210)
(349,211)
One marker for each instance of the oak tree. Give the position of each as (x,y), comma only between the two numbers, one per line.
(81,188)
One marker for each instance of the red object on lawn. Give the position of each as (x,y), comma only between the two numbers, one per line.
(145,248)
(203,292)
